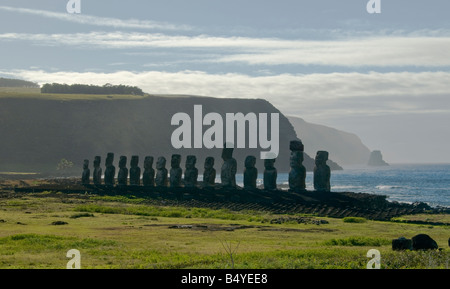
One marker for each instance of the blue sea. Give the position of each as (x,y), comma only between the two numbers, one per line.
(406,183)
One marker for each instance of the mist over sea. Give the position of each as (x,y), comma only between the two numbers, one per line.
(407,183)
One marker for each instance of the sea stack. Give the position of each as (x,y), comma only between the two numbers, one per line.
(376,159)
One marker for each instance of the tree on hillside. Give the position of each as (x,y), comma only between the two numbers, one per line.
(91,89)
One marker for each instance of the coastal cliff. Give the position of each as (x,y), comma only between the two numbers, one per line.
(37,132)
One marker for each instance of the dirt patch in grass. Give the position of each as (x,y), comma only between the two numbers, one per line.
(312,230)
(234,227)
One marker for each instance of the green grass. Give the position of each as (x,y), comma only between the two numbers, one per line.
(39,243)
(118,232)
(358,241)
(31,93)
(171,212)
(354,220)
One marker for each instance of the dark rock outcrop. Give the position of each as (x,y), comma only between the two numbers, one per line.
(401,244)
(423,242)
(376,159)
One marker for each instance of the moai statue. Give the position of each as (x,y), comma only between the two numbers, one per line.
(229,168)
(97,171)
(175,172)
(110,170)
(122,177)
(209,175)
(161,172)
(322,172)
(85,179)
(270,175)
(250,173)
(297,175)
(191,172)
(148,177)
(135,171)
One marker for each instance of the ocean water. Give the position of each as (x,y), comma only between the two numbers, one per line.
(407,183)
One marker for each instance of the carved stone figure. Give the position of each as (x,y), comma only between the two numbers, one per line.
(297,175)
(296,146)
(122,177)
(250,173)
(209,175)
(148,177)
(85,179)
(191,172)
(110,170)
(322,172)
(161,172)
(175,172)
(270,175)
(229,168)
(135,171)
(97,177)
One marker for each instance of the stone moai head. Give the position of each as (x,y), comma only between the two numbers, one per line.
(296,159)
(227,152)
(134,161)
(86,164)
(321,158)
(148,162)
(109,159)
(296,145)
(122,162)
(97,161)
(269,163)
(161,163)
(209,163)
(176,161)
(190,162)
(250,162)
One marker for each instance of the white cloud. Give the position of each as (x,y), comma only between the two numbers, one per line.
(379,51)
(98,21)
(383,51)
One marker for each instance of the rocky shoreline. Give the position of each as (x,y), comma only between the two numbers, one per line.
(325,204)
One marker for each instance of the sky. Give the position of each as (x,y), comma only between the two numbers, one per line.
(383,76)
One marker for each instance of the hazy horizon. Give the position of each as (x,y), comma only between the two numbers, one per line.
(383,77)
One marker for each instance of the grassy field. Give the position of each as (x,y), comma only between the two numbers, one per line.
(32,93)
(37,230)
